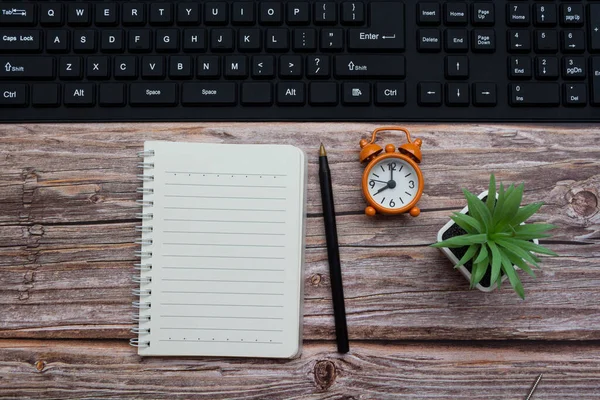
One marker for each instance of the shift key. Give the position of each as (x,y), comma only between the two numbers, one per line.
(367,66)
(13,67)
(153,94)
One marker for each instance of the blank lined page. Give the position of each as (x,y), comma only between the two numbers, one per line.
(227,251)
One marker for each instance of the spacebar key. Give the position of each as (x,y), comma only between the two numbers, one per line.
(153,94)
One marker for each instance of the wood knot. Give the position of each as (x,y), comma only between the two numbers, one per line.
(96,199)
(324,374)
(40,365)
(585,203)
(315,279)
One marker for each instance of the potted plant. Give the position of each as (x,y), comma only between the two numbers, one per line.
(488,240)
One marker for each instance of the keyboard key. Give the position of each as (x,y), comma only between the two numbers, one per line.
(390,93)
(290,93)
(134,13)
(483,14)
(519,41)
(332,39)
(70,68)
(325,13)
(457,40)
(575,94)
(125,67)
(353,13)
(457,67)
(484,94)
(317,67)
(106,14)
(215,13)
(594,27)
(456,13)
(519,68)
(277,40)
(484,41)
(112,41)
(207,67)
(595,80)
(209,93)
(534,94)
(298,13)
(79,94)
(51,14)
(304,40)
(17,14)
(84,41)
(98,68)
(257,94)
(457,94)
(78,14)
(428,13)
(376,66)
(221,40)
(571,14)
(14,68)
(20,41)
(194,40)
(290,67)
(13,95)
(180,67)
(112,95)
(249,40)
(45,95)
(430,94)
(270,13)
(263,67)
(545,14)
(243,13)
(573,41)
(161,13)
(518,14)
(167,40)
(139,41)
(324,93)
(546,68)
(188,13)
(546,41)
(385,33)
(153,67)
(236,67)
(153,94)
(573,68)
(429,40)
(357,93)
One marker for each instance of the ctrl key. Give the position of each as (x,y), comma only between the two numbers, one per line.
(13,95)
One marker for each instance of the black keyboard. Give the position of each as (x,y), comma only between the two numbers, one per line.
(300,61)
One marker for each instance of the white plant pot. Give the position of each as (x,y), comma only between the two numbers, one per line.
(463,270)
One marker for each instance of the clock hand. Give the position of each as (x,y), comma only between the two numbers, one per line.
(375,180)
(391,173)
(381,190)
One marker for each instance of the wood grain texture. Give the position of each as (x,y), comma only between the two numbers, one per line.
(67,207)
(109,369)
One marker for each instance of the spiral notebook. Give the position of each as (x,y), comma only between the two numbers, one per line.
(221,250)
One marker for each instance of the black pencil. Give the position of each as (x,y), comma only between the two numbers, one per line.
(333,254)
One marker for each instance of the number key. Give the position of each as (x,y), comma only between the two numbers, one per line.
(520,68)
(573,68)
(544,14)
(573,41)
(546,68)
(546,41)
(571,14)
(519,41)
(518,14)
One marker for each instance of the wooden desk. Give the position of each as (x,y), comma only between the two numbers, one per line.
(67,205)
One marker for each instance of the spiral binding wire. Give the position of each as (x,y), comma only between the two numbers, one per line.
(144,267)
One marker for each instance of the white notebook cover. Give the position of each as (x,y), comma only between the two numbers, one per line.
(227,250)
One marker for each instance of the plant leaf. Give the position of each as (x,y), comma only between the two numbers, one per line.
(462,240)
(529,246)
(468,255)
(532,231)
(483,254)
(468,223)
(519,252)
(514,259)
(491,197)
(496,260)
(478,209)
(510,207)
(513,278)
(499,204)
(478,273)
(524,213)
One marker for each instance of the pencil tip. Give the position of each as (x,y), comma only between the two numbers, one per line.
(322,151)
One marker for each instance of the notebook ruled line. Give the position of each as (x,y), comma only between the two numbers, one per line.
(229,269)
(221,317)
(225,245)
(223,329)
(225,209)
(217,341)
(215,185)
(234,257)
(223,221)
(234,293)
(224,197)
(222,173)
(221,305)
(228,233)
(217,280)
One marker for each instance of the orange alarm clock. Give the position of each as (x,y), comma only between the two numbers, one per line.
(392,182)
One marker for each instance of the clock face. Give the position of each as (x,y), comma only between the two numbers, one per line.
(393,183)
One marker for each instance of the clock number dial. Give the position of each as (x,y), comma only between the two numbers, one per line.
(390,189)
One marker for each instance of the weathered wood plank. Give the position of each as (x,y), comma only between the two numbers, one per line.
(109,369)
(67,203)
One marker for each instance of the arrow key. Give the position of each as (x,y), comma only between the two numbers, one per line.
(484,94)
(430,94)
(457,94)
(457,67)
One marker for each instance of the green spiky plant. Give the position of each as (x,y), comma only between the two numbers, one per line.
(496,237)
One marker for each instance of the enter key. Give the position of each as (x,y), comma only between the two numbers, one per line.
(385,32)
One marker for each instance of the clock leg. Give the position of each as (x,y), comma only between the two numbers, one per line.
(370,211)
(415,211)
